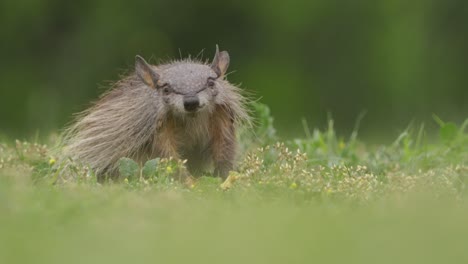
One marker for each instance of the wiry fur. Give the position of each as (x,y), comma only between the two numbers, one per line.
(136,121)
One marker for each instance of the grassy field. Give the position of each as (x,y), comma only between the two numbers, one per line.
(321,198)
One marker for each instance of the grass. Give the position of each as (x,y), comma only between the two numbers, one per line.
(320,198)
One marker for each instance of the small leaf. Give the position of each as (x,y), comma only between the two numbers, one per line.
(128,168)
(149,169)
(448,132)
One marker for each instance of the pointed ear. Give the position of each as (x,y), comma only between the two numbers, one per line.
(145,72)
(220,62)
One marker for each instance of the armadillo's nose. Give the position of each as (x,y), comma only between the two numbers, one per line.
(191,103)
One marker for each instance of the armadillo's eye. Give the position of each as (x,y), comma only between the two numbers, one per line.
(210,83)
(165,88)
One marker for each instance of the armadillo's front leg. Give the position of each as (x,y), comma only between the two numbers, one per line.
(166,147)
(224,147)
(169,150)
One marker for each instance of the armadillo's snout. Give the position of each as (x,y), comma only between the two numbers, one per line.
(191,103)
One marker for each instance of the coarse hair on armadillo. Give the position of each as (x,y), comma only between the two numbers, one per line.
(124,122)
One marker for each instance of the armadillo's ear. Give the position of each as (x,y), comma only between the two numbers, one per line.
(146,72)
(220,62)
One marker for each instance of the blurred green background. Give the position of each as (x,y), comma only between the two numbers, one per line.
(397,60)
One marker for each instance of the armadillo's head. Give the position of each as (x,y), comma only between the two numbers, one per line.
(186,87)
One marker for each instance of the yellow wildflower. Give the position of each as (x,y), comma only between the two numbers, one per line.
(341,145)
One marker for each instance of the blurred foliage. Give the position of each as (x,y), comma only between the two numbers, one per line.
(318,166)
(398,60)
